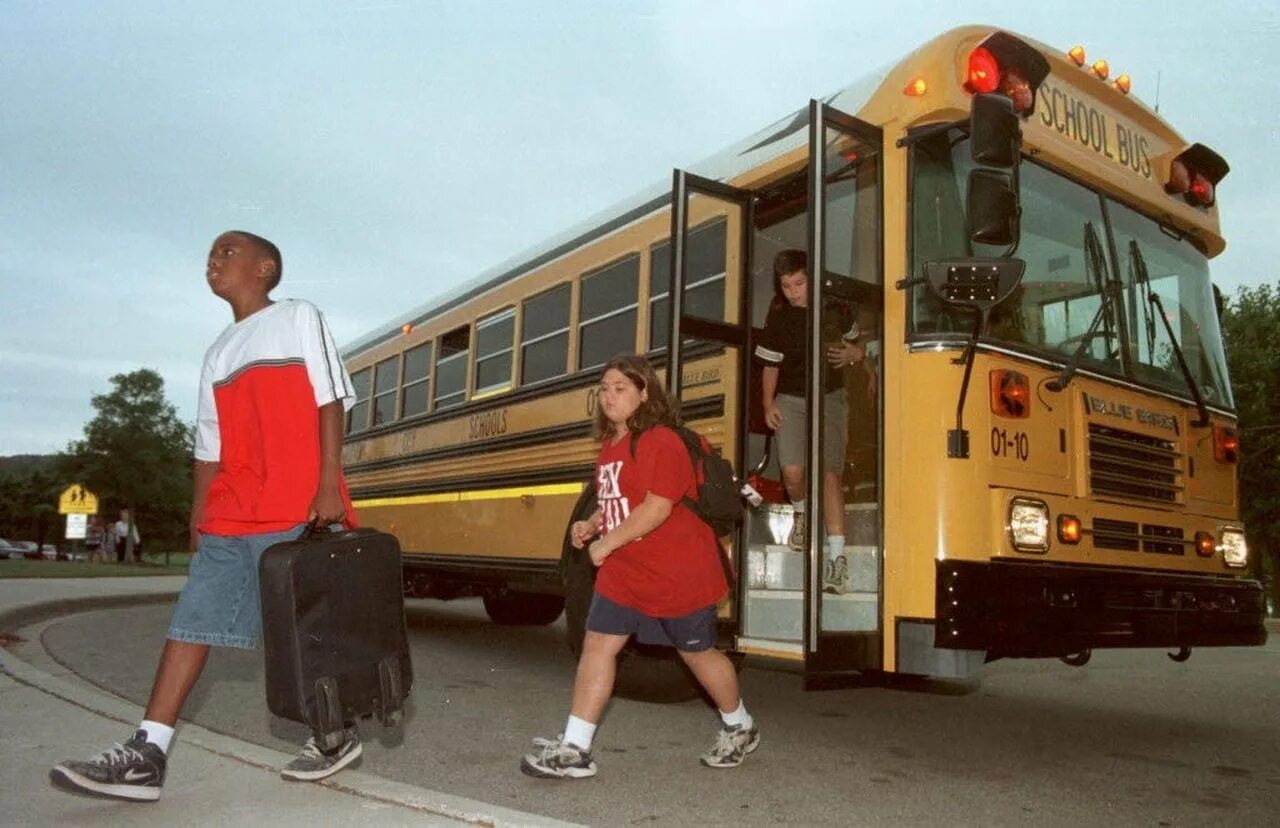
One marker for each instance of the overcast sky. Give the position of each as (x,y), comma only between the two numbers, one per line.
(395,149)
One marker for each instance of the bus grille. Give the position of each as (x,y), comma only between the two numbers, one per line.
(1132,537)
(1133,466)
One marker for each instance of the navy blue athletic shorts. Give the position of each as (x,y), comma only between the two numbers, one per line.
(690,633)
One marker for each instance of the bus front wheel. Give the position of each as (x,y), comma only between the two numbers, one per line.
(523,609)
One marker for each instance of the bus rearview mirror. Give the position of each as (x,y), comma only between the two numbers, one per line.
(995,134)
(992,208)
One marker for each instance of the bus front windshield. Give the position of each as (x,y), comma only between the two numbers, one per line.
(1063,305)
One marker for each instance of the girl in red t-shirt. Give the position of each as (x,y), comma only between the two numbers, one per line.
(659,572)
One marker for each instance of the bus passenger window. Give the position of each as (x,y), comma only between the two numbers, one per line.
(704,282)
(386,381)
(451,368)
(544,335)
(607,312)
(417,376)
(494,350)
(358,416)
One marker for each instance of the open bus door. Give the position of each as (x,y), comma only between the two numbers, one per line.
(843,595)
(708,323)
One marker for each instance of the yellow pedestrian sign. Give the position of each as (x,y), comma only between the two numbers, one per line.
(77,500)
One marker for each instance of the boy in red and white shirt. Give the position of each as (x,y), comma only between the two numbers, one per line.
(273,394)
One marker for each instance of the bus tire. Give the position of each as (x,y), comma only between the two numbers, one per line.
(649,674)
(523,609)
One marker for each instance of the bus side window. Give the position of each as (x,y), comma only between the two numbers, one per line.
(495,349)
(358,416)
(544,335)
(451,367)
(417,379)
(607,308)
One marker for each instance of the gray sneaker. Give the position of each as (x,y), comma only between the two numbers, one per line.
(314,764)
(836,581)
(732,746)
(134,770)
(557,759)
(796,540)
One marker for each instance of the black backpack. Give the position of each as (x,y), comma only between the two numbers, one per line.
(719,503)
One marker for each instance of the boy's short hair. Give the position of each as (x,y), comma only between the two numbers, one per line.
(788,262)
(269,249)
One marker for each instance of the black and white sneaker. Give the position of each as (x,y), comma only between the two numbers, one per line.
(134,770)
(732,746)
(557,759)
(314,764)
(836,579)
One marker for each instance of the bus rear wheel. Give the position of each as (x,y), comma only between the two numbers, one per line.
(523,609)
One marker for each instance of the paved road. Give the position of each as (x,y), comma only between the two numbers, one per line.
(1131,739)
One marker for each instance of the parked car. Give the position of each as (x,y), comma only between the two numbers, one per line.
(29,550)
(10,550)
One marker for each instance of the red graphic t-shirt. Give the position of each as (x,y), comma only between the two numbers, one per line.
(675,569)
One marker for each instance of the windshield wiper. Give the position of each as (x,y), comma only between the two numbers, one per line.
(1095,266)
(1143,281)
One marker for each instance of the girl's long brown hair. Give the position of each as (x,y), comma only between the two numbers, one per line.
(657,410)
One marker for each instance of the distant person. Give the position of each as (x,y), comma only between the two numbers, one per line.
(93,540)
(782,348)
(122,538)
(269,424)
(659,577)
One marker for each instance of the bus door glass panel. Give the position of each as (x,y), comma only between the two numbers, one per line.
(844,383)
(706,270)
(1179,274)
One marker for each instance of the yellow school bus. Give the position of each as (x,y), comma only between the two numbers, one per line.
(1041,448)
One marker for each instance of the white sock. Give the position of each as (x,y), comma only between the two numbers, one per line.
(798,506)
(157,734)
(579,732)
(835,546)
(738,718)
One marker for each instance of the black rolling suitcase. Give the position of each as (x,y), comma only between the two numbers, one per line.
(333,629)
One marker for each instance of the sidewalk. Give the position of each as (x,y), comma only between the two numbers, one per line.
(48,714)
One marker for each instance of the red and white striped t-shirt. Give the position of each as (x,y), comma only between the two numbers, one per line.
(264,380)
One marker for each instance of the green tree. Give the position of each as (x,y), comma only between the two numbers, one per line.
(1251,328)
(136,451)
(28,504)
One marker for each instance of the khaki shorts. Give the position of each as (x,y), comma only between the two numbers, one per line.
(789,438)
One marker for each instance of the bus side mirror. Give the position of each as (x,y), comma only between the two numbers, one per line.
(995,135)
(992,208)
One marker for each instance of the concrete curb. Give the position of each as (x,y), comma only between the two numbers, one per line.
(356,783)
(15,618)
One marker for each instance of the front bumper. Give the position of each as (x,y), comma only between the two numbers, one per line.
(1036,609)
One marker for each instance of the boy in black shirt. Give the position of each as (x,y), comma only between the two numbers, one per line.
(783,350)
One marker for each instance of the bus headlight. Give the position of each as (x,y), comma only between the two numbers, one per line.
(1029,525)
(1235,551)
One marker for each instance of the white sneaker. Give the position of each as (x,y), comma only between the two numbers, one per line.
(557,759)
(796,539)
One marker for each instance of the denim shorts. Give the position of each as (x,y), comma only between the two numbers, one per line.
(690,633)
(220,604)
